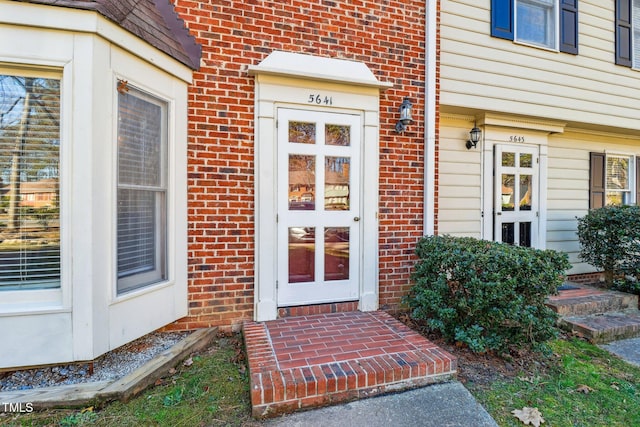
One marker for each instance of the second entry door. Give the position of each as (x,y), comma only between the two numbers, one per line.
(516,195)
(318,205)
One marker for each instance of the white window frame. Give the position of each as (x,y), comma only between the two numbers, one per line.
(159,273)
(48,300)
(553,13)
(630,190)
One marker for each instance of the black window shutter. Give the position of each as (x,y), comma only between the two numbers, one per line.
(623,32)
(597,178)
(638,181)
(569,26)
(502,19)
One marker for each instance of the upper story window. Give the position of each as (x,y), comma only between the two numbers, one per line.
(142,189)
(536,22)
(628,33)
(551,24)
(29,181)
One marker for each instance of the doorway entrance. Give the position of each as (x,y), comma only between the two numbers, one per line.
(319,206)
(516,195)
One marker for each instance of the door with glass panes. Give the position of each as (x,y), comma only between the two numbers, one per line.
(516,195)
(318,207)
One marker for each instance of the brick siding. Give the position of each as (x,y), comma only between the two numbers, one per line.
(389,37)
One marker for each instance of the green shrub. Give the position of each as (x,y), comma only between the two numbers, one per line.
(490,296)
(610,240)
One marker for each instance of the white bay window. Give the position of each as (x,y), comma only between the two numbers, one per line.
(93,178)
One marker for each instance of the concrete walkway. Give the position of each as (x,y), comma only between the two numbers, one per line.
(438,405)
(628,350)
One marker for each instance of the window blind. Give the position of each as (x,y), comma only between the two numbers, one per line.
(141,213)
(29,182)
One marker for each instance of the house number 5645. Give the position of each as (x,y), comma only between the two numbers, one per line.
(315,98)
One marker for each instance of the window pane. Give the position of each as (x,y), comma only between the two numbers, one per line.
(29,182)
(525,192)
(337,135)
(336,183)
(137,238)
(508,233)
(508,190)
(302,133)
(508,159)
(526,160)
(142,217)
(525,234)
(139,131)
(618,198)
(617,173)
(336,253)
(302,182)
(302,254)
(535,22)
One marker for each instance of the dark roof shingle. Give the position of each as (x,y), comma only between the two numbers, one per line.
(154,21)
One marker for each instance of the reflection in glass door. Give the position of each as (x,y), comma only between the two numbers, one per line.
(318,207)
(516,195)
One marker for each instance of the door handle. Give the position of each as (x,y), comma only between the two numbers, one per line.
(356,218)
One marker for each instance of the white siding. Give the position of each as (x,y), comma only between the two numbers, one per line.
(459,195)
(568,185)
(491,74)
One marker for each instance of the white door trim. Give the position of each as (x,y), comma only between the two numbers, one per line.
(293,91)
(495,135)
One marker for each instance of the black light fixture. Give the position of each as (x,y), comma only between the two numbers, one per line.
(405,115)
(474,137)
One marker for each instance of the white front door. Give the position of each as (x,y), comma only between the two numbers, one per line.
(318,207)
(516,195)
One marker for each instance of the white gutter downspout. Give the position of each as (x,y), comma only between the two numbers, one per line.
(430,118)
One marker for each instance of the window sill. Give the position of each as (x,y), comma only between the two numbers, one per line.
(136,293)
(536,46)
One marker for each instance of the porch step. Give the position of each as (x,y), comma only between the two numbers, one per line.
(581,300)
(606,327)
(317,360)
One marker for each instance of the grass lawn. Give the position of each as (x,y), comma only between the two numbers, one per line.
(581,386)
(585,386)
(213,391)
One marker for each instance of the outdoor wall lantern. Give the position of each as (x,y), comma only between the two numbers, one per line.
(474,137)
(405,115)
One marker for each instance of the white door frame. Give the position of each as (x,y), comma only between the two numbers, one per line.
(298,81)
(526,132)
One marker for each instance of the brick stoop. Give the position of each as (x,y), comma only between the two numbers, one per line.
(598,315)
(310,361)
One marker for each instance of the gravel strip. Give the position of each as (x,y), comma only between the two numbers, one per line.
(108,367)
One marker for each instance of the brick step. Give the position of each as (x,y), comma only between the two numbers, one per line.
(602,328)
(583,301)
(310,361)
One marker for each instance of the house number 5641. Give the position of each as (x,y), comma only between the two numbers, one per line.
(315,98)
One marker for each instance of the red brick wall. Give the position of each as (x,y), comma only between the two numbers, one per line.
(389,37)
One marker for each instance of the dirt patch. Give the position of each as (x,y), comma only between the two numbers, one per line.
(482,369)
